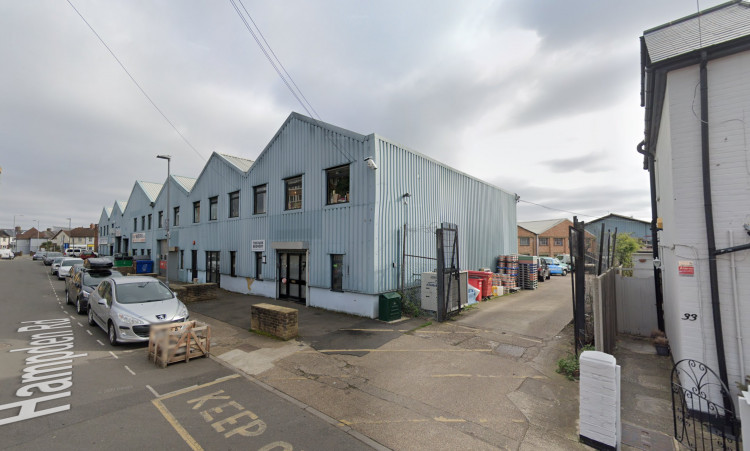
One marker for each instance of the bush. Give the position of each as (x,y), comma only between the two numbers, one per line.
(570,366)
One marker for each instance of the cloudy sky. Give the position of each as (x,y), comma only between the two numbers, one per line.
(540,98)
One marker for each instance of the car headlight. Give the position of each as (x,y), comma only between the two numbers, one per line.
(182,311)
(85,294)
(127,319)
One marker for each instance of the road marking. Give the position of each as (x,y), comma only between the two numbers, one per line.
(100,342)
(129,370)
(156,395)
(72,317)
(421,420)
(397,350)
(113,355)
(184,434)
(80,324)
(375,330)
(89,332)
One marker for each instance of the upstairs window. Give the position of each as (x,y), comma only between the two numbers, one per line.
(149,221)
(558,241)
(259,199)
(524,241)
(197,211)
(544,241)
(135,224)
(337,185)
(293,193)
(161,219)
(234,204)
(213,208)
(176,216)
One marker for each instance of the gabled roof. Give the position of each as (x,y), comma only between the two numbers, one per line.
(31,233)
(243,164)
(616,216)
(122,204)
(717,25)
(187,183)
(539,227)
(151,189)
(82,232)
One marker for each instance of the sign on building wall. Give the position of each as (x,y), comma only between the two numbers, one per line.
(139,237)
(118,232)
(686,268)
(259,245)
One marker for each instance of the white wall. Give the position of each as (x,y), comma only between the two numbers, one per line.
(353,303)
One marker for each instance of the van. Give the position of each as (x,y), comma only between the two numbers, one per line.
(7,254)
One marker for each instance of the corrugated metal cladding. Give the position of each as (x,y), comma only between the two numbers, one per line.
(139,205)
(637,229)
(485,215)
(366,230)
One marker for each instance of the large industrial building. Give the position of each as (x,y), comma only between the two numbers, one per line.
(318,218)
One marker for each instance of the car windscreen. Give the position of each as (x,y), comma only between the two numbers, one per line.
(58,260)
(148,291)
(71,262)
(92,279)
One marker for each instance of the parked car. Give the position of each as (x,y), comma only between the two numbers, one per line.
(7,254)
(86,254)
(56,264)
(83,283)
(565,260)
(126,307)
(50,257)
(39,255)
(542,270)
(555,267)
(63,270)
(75,269)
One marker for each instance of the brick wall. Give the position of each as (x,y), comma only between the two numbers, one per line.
(559,232)
(276,320)
(195,292)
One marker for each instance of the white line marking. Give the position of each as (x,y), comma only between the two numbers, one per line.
(100,342)
(80,324)
(156,395)
(89,332)
(72,317)
(129,370)
(113,355)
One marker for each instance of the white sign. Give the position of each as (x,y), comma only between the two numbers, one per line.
(259,245)
(139,237)
(118,232)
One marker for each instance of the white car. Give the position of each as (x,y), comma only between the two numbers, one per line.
(56,264)
(64,269)
(126,307)
(7,254)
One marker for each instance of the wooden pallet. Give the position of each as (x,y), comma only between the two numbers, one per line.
(178,342)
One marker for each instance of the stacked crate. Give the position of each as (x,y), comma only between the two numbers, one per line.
(507,273)
(528,268)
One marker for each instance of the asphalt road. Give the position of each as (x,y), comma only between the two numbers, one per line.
(62,386)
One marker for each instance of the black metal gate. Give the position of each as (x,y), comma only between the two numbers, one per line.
(702,406)
(448,268)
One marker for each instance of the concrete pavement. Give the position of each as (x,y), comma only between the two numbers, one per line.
(485,380)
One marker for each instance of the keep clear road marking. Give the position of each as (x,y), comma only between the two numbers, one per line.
(89,332)
(173,421)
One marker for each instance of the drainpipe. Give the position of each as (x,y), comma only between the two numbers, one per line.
(654,236)
(709,213)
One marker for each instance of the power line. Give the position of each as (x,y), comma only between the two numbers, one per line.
(135,82)
(557,209)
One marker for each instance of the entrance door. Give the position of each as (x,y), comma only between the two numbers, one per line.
(292,275)
(194,256)
(212,267)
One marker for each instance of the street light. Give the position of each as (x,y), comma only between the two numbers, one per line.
(70,235)
(15,241)
(166,265)
(37,235)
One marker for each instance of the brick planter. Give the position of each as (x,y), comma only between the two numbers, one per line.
(275,320)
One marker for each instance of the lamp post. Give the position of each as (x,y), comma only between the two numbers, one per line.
(166,265)
(70,235)
(37,235)
(15,241)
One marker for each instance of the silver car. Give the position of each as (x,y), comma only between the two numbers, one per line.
(56,264)
(63,270)
(126,307)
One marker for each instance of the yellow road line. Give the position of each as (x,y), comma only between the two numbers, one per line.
(184,434)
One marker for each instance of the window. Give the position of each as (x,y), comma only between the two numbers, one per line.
(143,223)
(558,241)
(135,224)
(234,204)
(337,272)
(259,266)
(149,221)
(337,183)
(293,193)
(213,208)
(259,197)
(544,241)
(524,241)
(161,219)
(182,259)
(197,211)
(233,263)
(176,216)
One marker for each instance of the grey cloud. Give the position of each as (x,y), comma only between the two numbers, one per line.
(591,162)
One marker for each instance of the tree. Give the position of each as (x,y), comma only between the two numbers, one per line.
(626,246)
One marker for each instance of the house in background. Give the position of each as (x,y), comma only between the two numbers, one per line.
(696,92)
(6,238)
(636,228)
(546,238)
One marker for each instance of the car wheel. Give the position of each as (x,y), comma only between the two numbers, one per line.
(91,317)
(565,272)
(112,334)
(67,298)
(79,308)
(549,276)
